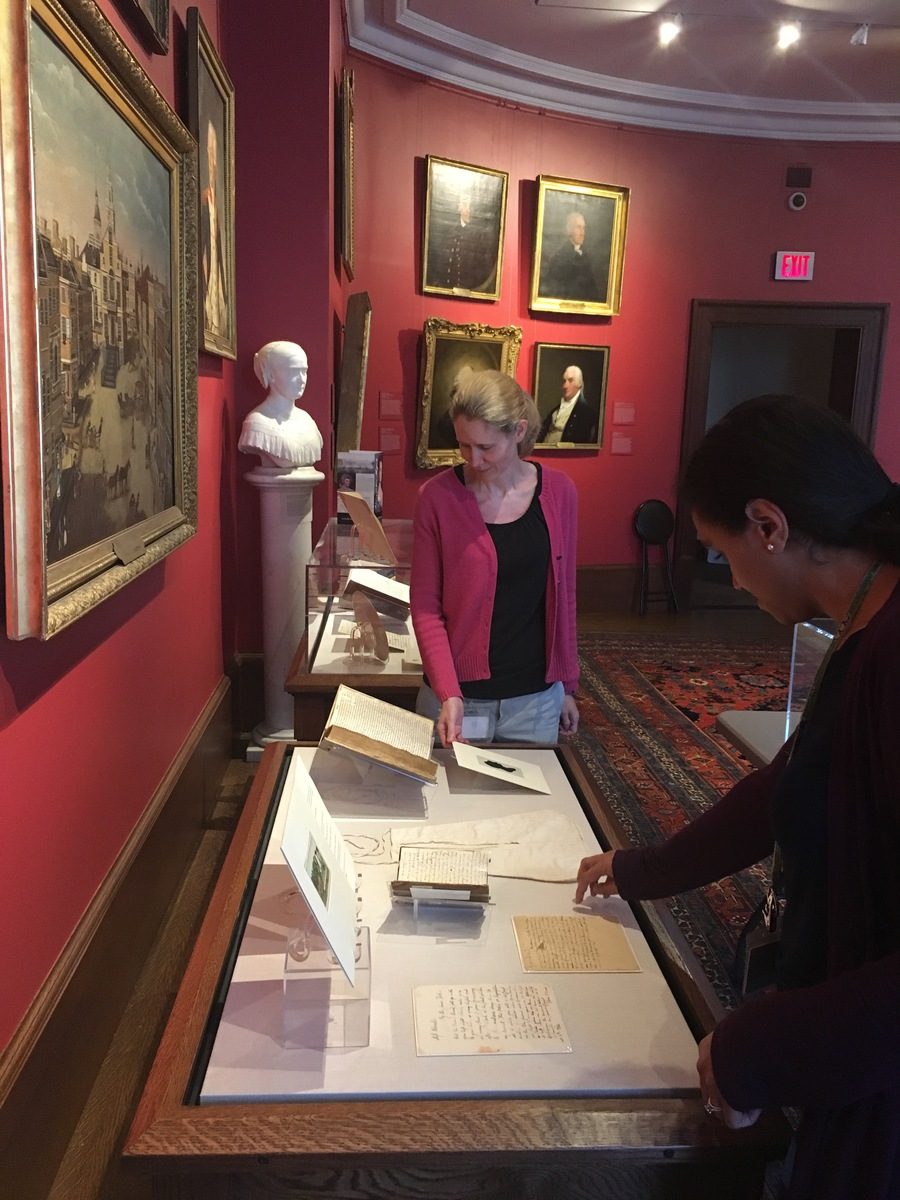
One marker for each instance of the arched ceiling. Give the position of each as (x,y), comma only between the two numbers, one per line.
(723,74)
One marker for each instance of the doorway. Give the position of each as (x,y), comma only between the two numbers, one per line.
(828,353)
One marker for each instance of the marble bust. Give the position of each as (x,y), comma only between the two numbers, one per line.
(282,435)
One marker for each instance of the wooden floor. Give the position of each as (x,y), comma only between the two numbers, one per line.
(739,624)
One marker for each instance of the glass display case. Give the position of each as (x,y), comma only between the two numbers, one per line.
(340,564)
(237,1103)
(810,645)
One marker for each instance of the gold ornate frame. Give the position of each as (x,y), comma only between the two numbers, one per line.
(445,182)
(203,58)
(348,167)
(557,278)
(448,349)
(43,598)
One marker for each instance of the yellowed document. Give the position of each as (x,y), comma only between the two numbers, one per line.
(572,944)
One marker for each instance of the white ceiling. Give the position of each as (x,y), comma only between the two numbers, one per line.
(604,60)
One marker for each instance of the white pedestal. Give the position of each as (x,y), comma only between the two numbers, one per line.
(285,518)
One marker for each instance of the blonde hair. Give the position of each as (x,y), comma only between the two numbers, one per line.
(496,399)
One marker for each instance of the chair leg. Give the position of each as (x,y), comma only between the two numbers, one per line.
(642,607)
(673,599)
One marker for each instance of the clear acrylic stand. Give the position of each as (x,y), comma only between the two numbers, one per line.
(322,1010)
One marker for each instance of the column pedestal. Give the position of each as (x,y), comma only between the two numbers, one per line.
(285,515)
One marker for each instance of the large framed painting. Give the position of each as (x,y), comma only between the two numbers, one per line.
(211,120)
(579,247)
(450,354)
(352,381)
(151,19)
(570,392)
(99,357)
(465,218)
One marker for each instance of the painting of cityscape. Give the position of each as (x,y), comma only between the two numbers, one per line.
(109,240)
(104,246)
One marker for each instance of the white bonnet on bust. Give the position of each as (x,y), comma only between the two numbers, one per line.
(282,435)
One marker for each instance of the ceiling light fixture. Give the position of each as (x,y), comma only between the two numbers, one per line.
(788,34)
(860,35)
(669,29)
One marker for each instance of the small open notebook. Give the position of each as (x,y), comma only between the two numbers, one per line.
(380,733)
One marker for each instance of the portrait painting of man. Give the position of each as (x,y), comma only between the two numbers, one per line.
(465,212)
(212,121)
(579,247)
(451,355)
(570,393)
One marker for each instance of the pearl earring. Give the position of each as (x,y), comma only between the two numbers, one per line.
(771,547)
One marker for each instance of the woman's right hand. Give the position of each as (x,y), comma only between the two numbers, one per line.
(591,872)
(449,722)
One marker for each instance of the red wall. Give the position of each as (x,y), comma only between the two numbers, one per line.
(91,720)
(287,285)
(706,215)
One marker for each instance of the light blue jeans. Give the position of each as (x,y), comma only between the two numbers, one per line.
(532,718)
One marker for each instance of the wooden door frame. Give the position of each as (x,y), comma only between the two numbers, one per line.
(706,315)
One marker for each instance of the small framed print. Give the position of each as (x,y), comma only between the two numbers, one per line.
(151,18)
(579,247)
(570,392)
(451,353)
(465,217)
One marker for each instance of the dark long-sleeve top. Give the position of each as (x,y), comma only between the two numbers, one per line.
(833,1048)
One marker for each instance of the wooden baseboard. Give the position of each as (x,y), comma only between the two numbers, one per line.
(49,1067)
(608,589)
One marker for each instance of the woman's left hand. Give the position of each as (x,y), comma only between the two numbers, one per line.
(568,716)
(715,1104)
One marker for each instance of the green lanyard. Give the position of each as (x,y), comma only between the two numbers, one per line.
(775,898)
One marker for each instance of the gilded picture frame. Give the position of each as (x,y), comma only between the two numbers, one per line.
(449,352)
(579,247)
(99,385)
(346,158)
(463,229)
(211,121)
(151,19)
(570,393)
(352,379)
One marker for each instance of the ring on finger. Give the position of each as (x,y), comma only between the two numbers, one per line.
(711,1109)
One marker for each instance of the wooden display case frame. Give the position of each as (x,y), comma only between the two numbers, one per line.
(542,1148)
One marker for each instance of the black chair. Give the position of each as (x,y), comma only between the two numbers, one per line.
(654,523)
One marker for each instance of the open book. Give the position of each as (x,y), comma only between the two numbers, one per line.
(373,541)
(442,873)
(381,733)
(389,596)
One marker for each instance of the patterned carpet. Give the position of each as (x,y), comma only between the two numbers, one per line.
(648,708)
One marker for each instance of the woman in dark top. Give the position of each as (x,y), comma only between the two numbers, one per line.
(493,577)
(810,524)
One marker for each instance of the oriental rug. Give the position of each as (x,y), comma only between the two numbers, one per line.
(647,735)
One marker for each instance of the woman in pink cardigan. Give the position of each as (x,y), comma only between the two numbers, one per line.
(493,578)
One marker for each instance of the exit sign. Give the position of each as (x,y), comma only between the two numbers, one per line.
(794,264)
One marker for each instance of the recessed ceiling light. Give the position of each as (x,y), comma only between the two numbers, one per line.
(788,34)
(669,29)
